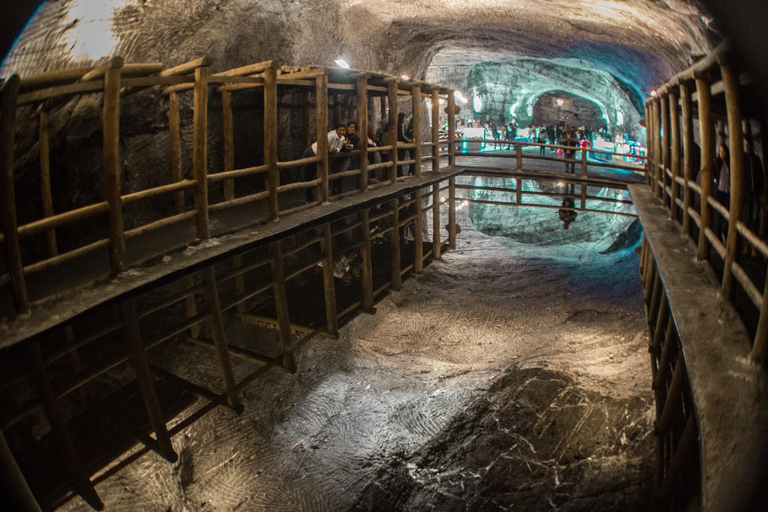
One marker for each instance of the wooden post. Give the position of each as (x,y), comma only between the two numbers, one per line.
(674,112)
(175,135)
(657,145)
(270,138)
(140,363)
(760,347)
(764,153)
(435,130)
(229,143)
(237,263)
(394,244)
(649,150)
(707,148)
(392,134)
(436,245)
(200,152)
(281,305)
(14,266)
(367,273)
(321,114)
(383,108)
(111,131)
(451,128)
(416,103)
(519,157)
(329,288)
(220,338)
(688,170)
(664,145)
(418,234)
(452,213)
(736,136)
(584,162)
(74,470)
(362,126)
(45,182)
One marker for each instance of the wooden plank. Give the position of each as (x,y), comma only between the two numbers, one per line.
(187,67)
(736,139)
(175,136)
(435,132)
(200,152)
(140,363)
(229,143)
(8,222)
(657,144)
(452,213)
(666,159)
(321,114)
(220,338)
(707,149)
(112,169)
(281,305)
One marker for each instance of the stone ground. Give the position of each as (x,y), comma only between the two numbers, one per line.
(507,377)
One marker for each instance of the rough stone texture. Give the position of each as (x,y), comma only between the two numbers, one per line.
(501,342)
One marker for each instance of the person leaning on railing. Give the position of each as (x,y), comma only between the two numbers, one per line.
(754,183)
(336,139)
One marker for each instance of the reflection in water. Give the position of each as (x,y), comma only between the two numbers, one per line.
(567,213)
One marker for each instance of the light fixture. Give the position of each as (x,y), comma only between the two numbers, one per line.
(405,77)
(342,63)
(653,93)
(560,103)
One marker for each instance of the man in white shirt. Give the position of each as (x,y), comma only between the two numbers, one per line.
(336,141)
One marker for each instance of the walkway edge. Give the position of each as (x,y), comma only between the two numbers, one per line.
(729,391)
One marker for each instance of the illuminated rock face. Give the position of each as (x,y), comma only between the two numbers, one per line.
(640,41)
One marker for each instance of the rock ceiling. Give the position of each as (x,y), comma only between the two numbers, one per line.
(640,41)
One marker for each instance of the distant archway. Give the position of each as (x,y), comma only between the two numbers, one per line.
(562,107)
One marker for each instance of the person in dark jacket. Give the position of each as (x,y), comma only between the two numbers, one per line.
(753,187)
(402,136)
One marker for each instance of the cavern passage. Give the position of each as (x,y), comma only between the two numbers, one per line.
(383,255)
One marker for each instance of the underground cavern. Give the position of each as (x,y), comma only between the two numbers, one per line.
(334,255)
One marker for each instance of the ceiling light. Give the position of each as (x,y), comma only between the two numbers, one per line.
(405,77)
(342,63)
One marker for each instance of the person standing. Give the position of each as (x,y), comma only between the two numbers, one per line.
(336,140)
(723,188)
(402,136)
(568,138)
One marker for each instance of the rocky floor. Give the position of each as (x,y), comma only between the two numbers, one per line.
(507,377)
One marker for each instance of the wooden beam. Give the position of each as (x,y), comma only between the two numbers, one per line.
(140,363)
(111,135)
(8,222)
(329,289)
(270,139)
(362,128)
(220,338)
(392,133)
(435,132)
(436,245)
(688,144)
(175,134)
(451,128)
(707,137)
(452,213)
(281,305)
(321,94)
(418,234)
(200,152)
(674,112)
(736,140)
(367,270)
(416,105)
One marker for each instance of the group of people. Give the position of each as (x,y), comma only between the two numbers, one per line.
(753,182)
(347,137)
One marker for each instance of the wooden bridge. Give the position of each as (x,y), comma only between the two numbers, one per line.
(244,245)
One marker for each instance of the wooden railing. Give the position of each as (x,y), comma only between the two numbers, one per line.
(691,436)
(671,172)
(116,80)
